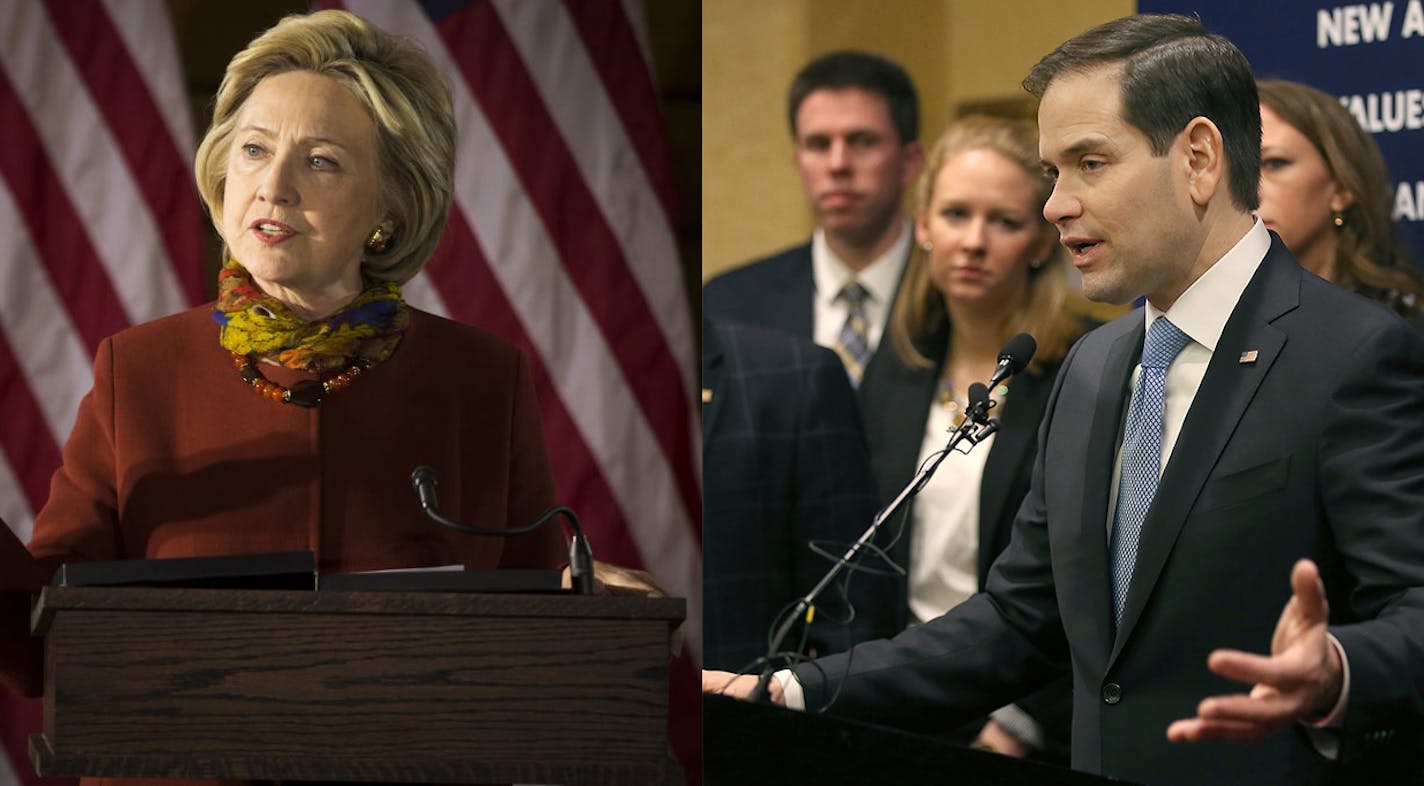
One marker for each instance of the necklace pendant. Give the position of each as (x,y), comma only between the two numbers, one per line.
(306,393)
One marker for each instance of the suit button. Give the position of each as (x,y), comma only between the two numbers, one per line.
(1112,693)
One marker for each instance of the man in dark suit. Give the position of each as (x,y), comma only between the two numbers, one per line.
(1253,422)
(855,126)
(784,464)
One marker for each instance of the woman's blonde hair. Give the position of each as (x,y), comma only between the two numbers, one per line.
(407,100)
(1369,258)
(1052,313)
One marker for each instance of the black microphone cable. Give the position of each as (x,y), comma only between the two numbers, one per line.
(425,482)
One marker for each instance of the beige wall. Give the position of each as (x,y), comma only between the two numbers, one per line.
(957,51)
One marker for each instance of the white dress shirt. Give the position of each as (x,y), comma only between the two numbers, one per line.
(880,278)
(944,532)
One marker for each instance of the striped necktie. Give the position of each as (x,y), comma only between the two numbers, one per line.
(1141,454)
(853,344)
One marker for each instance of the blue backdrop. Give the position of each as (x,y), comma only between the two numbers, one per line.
(1371,55)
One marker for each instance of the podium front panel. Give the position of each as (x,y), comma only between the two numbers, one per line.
(355,686)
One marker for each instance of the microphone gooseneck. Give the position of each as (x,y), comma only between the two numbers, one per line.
(425,482)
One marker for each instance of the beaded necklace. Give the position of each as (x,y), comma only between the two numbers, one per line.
(306,393)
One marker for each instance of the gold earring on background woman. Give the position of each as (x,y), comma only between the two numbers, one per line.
(1339,219)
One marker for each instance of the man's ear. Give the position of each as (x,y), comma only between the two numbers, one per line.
(1205,160)
(914,160)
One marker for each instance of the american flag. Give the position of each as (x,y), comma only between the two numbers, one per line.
(561,240)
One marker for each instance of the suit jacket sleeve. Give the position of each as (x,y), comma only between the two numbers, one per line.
(983,653)
(1372,483)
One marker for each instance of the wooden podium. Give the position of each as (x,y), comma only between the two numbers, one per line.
(354,686)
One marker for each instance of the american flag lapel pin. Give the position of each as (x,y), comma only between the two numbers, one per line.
(1248,357)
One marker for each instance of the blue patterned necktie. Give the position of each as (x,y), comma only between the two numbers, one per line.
(1141,454)
(853,344)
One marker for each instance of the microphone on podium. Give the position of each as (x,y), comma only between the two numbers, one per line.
(425,481)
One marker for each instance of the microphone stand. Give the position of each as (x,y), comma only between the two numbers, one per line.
(976,427)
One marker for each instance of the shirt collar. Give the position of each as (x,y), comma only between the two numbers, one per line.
(880,277)
(1201,311)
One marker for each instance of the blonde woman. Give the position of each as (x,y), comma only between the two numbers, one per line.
(987,266)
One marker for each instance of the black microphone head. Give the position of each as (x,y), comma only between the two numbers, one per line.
(1019,351)
(423,476)
(978,394)
(425,480)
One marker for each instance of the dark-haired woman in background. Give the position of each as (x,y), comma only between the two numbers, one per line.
(1326,191)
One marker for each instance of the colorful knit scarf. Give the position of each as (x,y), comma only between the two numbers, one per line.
(258,325)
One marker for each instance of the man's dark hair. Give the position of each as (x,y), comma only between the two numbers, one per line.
(866,71)
(1173,70)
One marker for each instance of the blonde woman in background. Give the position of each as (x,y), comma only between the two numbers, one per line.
(987,266)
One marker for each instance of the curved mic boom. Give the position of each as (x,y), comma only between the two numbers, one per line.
(425,482)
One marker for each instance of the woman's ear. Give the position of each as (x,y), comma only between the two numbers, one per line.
(1341,200)
(922,229)
(1043,250)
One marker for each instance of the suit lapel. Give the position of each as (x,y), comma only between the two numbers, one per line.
(797,299)
(1011,445)
(1099,460)
(1225,393)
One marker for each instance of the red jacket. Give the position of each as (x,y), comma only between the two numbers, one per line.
(173,455)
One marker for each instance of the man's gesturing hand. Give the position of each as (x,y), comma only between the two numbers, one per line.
(1300,680)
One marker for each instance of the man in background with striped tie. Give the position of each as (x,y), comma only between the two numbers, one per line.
(855,125)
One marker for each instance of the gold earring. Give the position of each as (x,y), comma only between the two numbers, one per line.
(378,241)
(1339,219)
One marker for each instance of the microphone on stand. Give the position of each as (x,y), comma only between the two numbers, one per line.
(978,394)
(425,482)
(1013,358)
(977,425)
